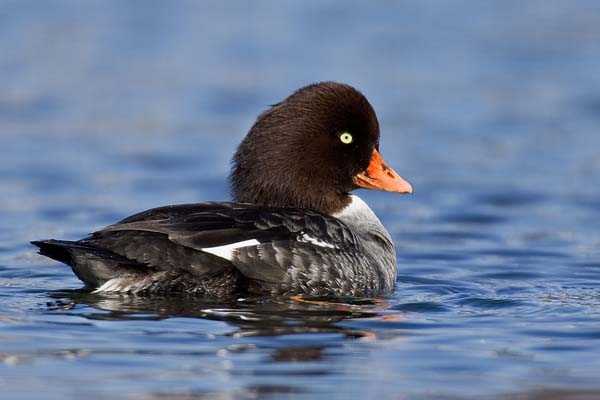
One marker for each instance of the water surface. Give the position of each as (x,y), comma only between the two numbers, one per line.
(491,110)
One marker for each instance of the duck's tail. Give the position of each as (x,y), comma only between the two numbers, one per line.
(92,265)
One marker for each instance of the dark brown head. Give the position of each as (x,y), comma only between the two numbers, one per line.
(310,150)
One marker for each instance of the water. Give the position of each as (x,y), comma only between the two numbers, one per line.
(491,110)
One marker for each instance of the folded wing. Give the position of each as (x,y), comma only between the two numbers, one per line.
(207,239)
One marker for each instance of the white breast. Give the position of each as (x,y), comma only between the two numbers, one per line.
(358,213)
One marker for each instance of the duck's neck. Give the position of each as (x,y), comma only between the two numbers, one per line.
(299,196)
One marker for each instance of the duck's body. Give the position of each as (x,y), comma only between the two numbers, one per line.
(296,230)
(218,249)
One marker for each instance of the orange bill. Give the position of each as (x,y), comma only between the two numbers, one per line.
(379,176)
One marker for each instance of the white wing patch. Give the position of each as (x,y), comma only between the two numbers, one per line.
(316,241)
(226,251)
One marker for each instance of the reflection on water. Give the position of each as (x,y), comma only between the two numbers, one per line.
(491,110)
(258,316)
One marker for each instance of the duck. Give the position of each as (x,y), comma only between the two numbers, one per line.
(293,227)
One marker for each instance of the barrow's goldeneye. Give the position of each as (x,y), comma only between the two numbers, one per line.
(293,228)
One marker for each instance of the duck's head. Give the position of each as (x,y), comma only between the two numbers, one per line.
(311,150)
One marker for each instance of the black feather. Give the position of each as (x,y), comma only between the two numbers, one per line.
(91,264)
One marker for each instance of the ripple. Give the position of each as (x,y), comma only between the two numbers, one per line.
(447,237)
(473,218)
(250,392)
(511,199)
(573,332)
(423,306)
(490,304)
(522,253)
(162,162)
(441,256)
(511,275)
(592,203)
(432,281)
(560,348)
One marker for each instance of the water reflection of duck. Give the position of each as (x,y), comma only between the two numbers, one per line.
(254,316)
(295,228)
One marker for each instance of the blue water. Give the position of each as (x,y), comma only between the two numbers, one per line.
(491,109)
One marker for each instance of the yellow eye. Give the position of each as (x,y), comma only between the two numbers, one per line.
(346,138)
